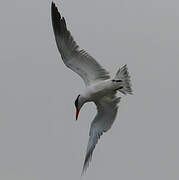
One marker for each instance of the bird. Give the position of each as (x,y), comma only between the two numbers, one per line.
(100,87)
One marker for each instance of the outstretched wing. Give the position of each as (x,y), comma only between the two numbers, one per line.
(77,60)
(107,110)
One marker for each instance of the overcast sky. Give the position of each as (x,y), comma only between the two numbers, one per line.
(39,137)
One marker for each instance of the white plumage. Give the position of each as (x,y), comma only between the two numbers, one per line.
(99,87)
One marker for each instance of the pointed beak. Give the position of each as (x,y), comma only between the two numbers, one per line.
(77,113)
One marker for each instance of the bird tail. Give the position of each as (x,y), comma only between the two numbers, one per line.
(123,79)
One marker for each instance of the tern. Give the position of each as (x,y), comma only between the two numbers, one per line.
(100,87)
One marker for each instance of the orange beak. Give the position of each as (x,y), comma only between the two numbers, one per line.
(77,113)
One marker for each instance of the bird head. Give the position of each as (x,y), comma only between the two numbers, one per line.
(78,104)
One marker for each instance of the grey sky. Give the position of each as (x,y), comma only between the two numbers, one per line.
(38,133)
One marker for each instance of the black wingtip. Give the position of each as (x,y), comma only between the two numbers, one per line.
(54,11)
(56,17)
(53,5)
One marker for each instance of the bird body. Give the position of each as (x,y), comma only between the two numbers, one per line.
(98,90)
(100,87)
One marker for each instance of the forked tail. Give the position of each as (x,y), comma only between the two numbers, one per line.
(123,79)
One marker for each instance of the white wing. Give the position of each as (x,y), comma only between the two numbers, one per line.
(77,60)
(107,110)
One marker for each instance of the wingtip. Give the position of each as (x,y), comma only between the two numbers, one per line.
(83,170)
(52,4)
(56,16)
(85,167)
(87,161)
(54,7)
(82,173)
